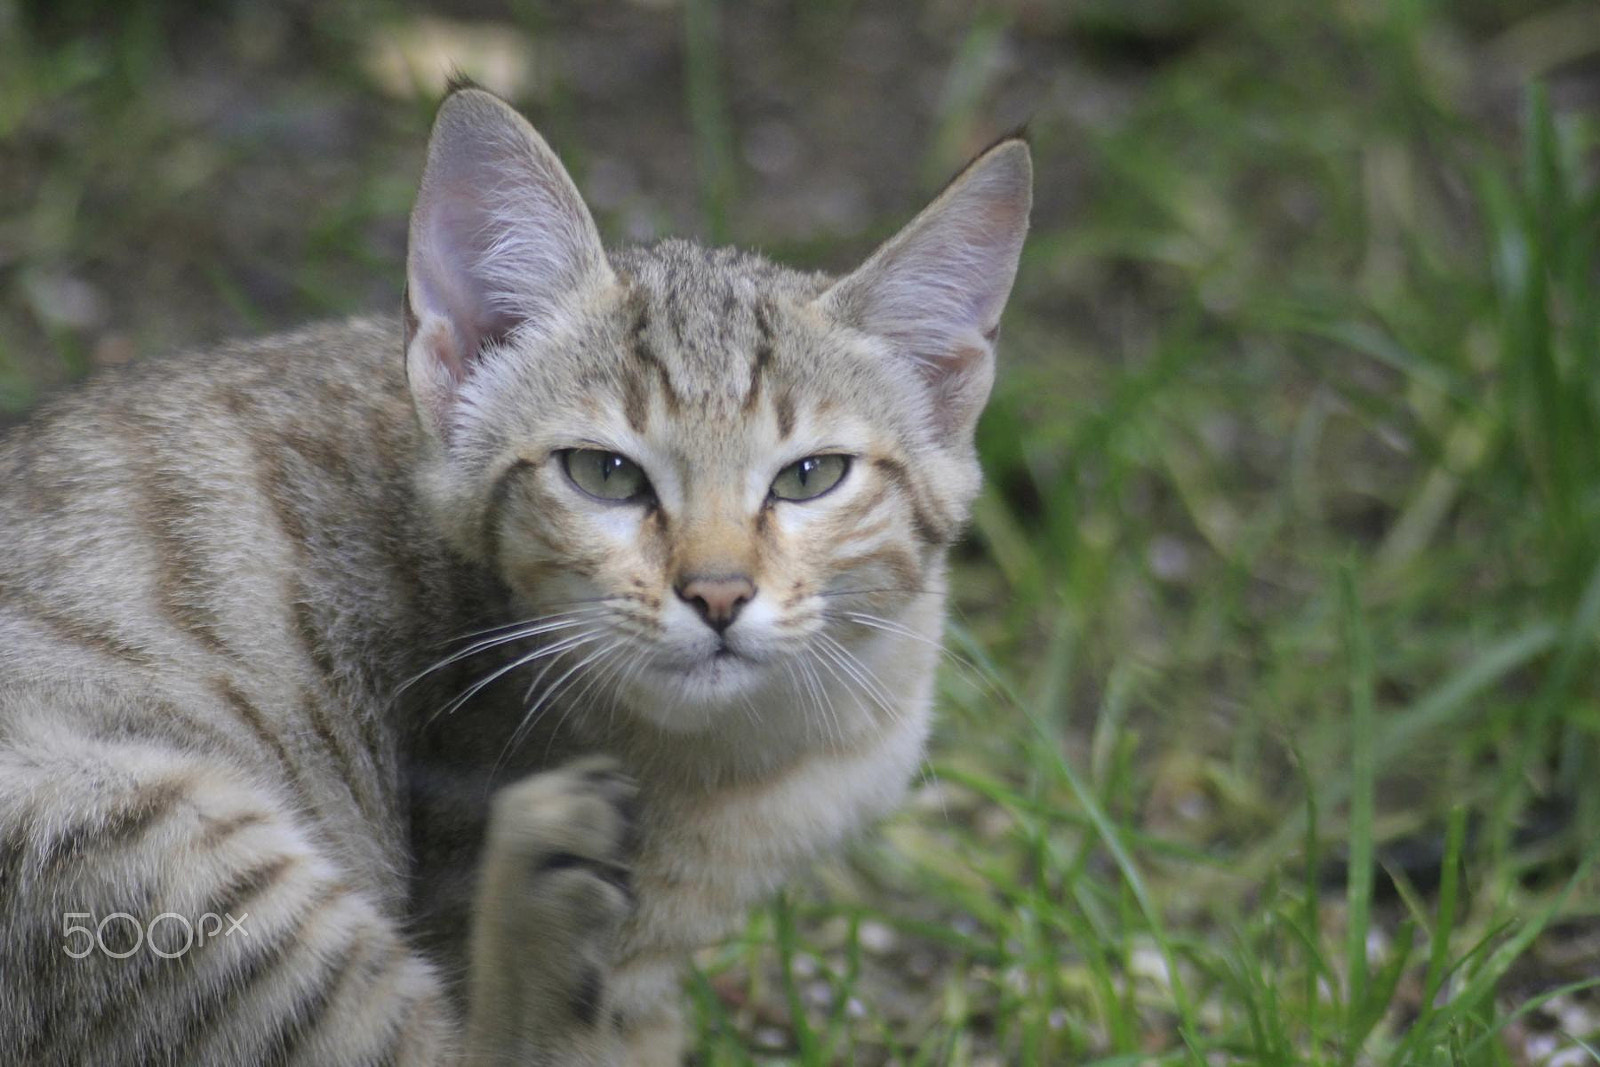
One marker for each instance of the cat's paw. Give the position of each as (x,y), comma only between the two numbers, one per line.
(556,879)
(576,821)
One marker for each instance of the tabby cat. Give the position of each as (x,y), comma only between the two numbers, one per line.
(476,667)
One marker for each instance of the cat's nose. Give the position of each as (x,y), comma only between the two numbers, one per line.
(718,598)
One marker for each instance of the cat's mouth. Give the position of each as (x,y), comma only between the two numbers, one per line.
(707,681)
(724,665)
(722,661)
(712,674)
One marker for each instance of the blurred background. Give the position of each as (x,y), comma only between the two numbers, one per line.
(1269,729)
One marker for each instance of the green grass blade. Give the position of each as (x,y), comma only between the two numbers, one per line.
(1360,866)
(788,947)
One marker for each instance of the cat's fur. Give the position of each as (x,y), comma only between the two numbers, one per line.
(223,574)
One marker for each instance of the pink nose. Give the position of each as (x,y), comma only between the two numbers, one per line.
(718,598)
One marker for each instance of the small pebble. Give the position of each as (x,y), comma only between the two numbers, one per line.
(1574,1017)
(66,301)
(1539,1046)
(1146,962)
(876,937)
(770,1037)
(1571,1056)
(1169,558)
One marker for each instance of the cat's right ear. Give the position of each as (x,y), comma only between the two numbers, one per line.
(500,242)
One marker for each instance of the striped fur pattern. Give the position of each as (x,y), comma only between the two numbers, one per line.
(318,633)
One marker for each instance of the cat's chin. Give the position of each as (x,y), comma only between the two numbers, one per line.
(700,695)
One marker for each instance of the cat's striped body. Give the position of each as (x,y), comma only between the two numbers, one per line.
(226,576)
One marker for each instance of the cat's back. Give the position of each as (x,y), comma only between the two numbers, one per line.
(320,380)
(161,506)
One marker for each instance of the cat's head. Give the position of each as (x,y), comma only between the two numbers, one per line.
(708,477)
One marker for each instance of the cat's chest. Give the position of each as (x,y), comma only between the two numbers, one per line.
(706,858)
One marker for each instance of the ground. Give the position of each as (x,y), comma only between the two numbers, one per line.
(1268,732)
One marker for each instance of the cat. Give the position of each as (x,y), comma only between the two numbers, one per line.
(423,691)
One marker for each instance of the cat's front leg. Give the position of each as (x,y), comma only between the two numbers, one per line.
(553,892)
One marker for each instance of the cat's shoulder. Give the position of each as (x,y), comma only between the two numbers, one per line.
(320,382)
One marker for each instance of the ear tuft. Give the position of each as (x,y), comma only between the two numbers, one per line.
(936,289)
(457,80)
(500,241)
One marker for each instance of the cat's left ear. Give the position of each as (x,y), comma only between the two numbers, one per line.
(935,290)
(500,241)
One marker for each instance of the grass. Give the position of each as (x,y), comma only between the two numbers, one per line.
(1269,730)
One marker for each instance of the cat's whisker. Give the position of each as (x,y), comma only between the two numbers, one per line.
(852,666)
(604,598)
(811,697)
(530,621)
(547,698)
(869,683)
(930,779)
(529,717)
(967,669)
(472,690)
(889,625)
(548,625)
(533,686)
(613,679)
(838,726)
(597,678)
(891,707)
(828,663)
(793,676)
(504,639)
(535,654)
(522,661)
(641,657)
(913,590)
(893,712)
(818,694)
(750,713)
(878,622)
(827,717)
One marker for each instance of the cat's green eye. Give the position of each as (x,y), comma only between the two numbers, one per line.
(810,477)
(606,475)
